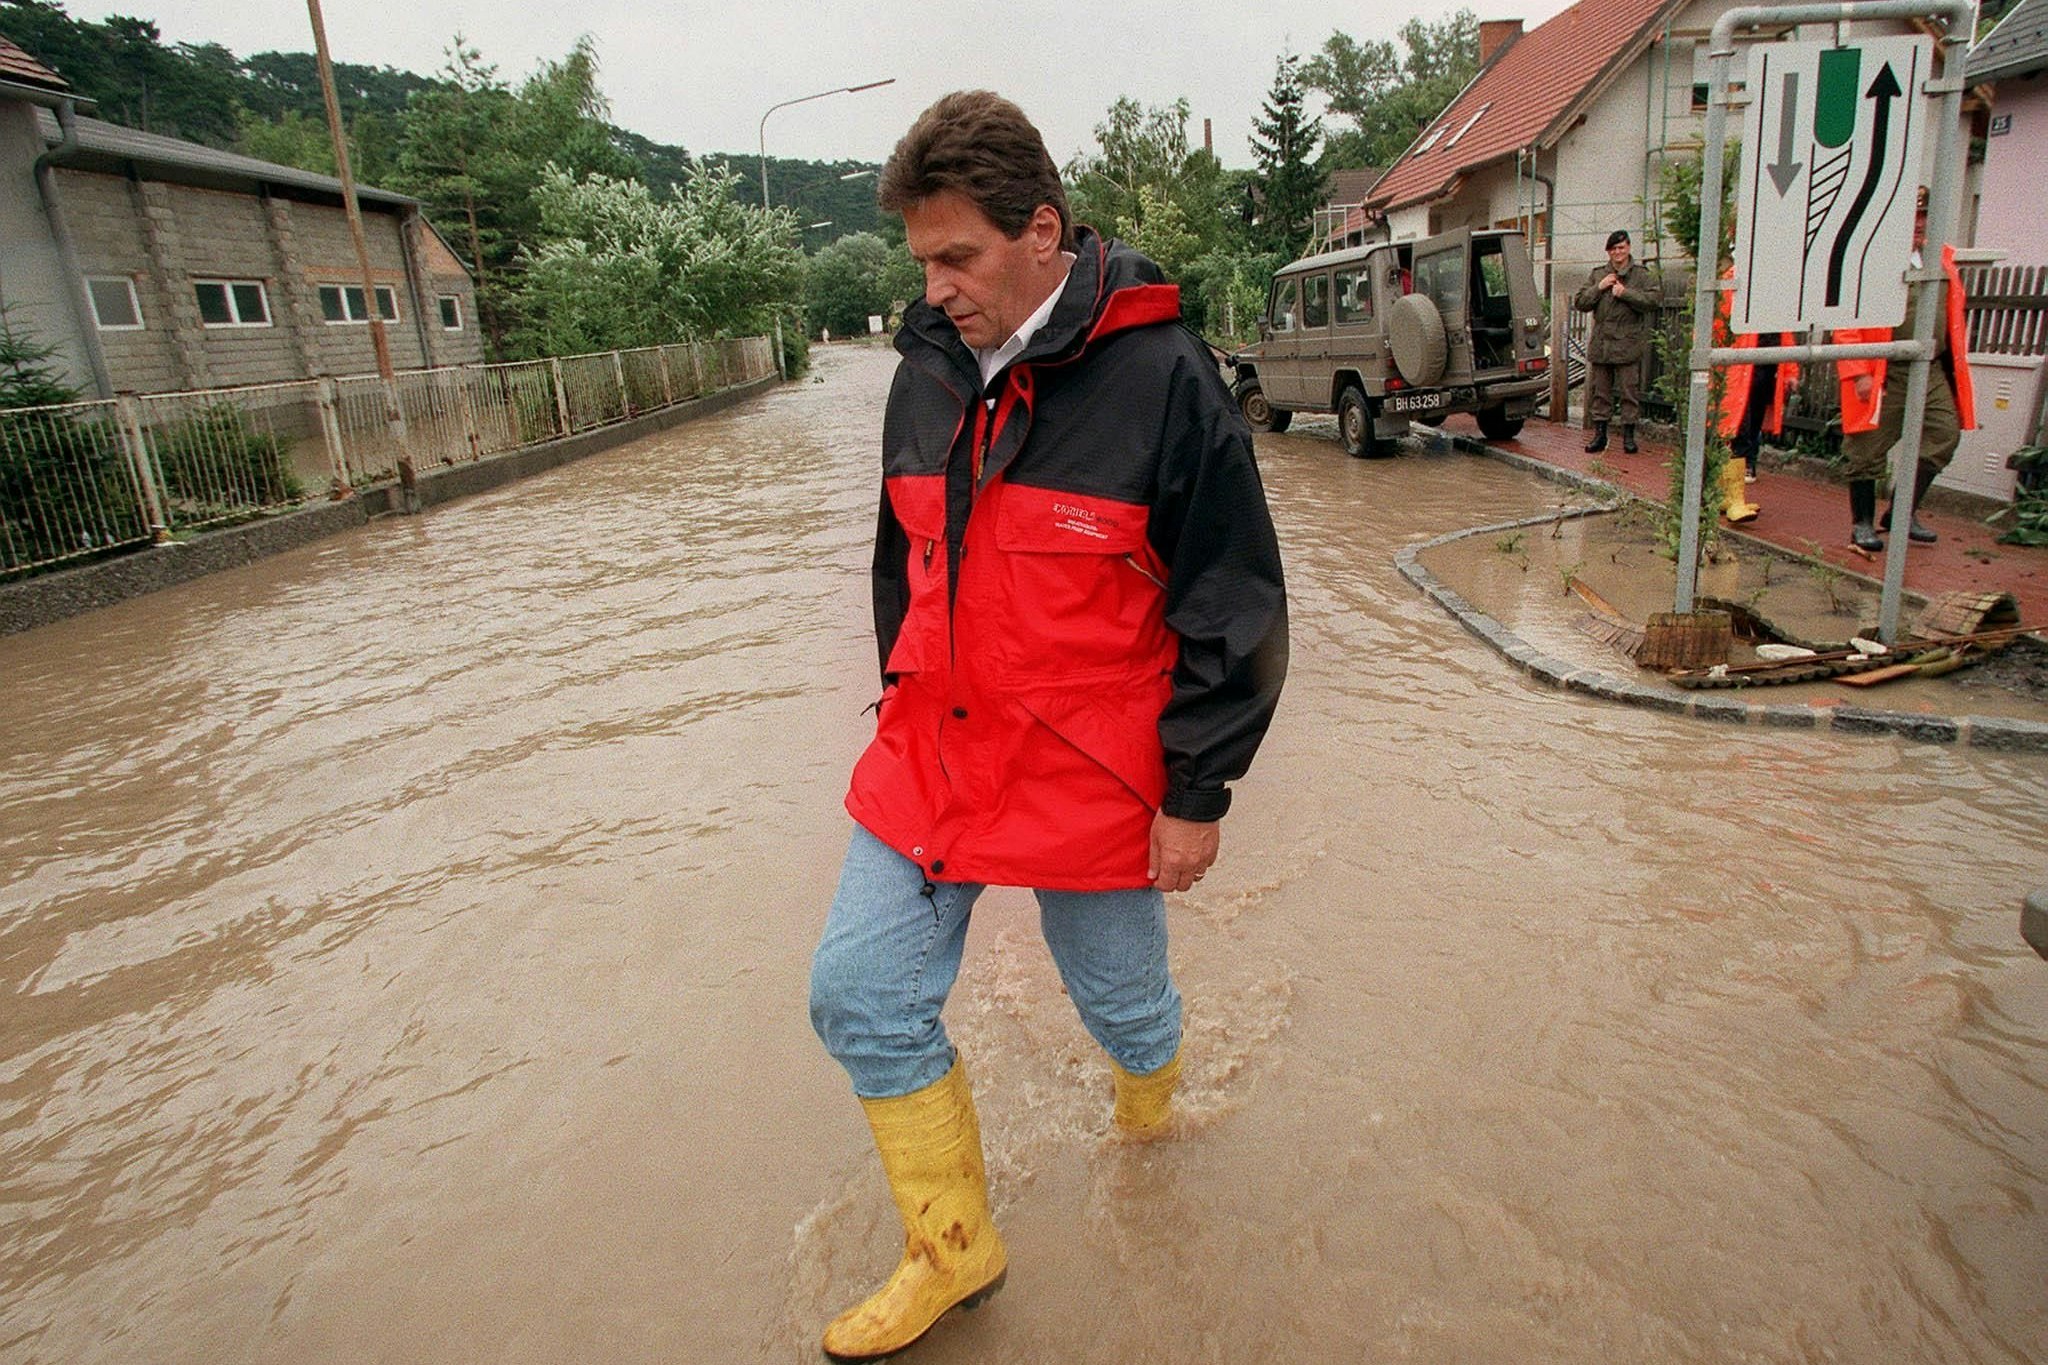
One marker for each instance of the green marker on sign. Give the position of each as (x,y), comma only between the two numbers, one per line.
(1834,105)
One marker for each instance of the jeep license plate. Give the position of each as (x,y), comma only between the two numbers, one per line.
(1418,402)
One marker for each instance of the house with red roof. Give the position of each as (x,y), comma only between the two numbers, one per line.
(1566,133)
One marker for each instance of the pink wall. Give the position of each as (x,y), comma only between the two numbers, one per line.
(2014,202)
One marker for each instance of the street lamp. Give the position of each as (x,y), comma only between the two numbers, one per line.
(762,132)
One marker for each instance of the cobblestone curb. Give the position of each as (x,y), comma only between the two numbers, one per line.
(1984,732)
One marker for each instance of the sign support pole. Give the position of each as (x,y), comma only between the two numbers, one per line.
(1942,204)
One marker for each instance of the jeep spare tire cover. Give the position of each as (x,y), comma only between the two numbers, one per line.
(1417,332)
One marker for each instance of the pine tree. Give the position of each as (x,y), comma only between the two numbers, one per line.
(1283,147)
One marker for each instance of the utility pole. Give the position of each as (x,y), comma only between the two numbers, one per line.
(394,413)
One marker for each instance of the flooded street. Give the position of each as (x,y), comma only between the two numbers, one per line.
(404,948)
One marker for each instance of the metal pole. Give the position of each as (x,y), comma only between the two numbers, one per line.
(138,466)
(1943,199)
(1560,358)
(561,393)
(330,428)
(394,413)
(761,133)
(1941,208)
(1706,277)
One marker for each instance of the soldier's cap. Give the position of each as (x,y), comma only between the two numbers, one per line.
(1618,237)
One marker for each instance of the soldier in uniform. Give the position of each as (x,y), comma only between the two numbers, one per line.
(1622,297)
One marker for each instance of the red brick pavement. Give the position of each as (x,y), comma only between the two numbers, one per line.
(1800,514)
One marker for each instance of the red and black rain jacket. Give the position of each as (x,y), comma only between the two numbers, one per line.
(1078,594)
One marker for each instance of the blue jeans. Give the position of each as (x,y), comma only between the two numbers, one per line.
(889,954)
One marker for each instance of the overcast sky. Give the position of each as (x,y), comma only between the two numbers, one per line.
(702,74)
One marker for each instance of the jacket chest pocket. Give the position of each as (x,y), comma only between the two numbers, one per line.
(920,509)
(1083,591)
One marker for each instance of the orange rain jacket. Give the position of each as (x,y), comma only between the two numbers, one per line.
(1862,415)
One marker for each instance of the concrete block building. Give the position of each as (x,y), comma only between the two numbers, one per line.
(154,264)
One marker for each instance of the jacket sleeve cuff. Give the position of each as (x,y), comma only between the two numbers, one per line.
(1196,803)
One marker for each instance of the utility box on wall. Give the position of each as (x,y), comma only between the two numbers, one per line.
(2008,405)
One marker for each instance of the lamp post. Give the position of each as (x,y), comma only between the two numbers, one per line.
(761,133)
(761,139)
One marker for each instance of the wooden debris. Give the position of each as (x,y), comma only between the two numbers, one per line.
(1606,624)
(1873,676)
(1965,613)
(1686,640)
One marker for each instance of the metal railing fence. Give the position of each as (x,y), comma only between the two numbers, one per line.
(81,479)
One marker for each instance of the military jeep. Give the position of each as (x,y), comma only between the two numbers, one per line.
(1396,332)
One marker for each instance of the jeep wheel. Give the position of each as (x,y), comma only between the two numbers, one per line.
(1259,414)
(1496,425)
(1354,426)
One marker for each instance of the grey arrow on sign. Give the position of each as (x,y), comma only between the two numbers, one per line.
(1786,170)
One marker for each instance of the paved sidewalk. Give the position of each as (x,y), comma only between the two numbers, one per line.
(1804,515)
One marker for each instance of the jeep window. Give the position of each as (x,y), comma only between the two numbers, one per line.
(1315,301)
(1283,306)
(1438,277)
(1354,296)
(1492,279)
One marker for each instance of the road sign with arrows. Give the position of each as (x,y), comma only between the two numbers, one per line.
(1830,164)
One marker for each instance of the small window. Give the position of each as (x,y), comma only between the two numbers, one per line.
(1283,306)
(232,303)
(114,305)
(451,313)
(1439,276)
(1354,295)
(1467,127)
(1315,301)
(344,303)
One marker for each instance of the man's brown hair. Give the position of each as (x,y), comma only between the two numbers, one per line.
(981,146)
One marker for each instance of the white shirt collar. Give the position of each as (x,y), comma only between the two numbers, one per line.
(994,360)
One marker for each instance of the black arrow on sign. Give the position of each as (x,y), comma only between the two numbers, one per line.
(1786,170)
(1884,90)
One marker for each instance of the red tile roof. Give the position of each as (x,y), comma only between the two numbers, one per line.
(16,65)
(1543,75)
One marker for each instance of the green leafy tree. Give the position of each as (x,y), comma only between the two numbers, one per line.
(292,139)
(1290,186)
(1136,148)
(183,90)
(454,156)
(1160,229)
(1390,94)
(616,268)
(474,149)
(1680,187)
(845,283)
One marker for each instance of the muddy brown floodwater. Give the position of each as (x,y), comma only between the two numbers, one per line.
(405,946)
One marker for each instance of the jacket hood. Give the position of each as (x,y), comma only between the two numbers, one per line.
(1110,288)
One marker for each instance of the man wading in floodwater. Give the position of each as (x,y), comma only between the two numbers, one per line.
(1083,633)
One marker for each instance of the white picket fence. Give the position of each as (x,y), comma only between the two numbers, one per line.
(80,479)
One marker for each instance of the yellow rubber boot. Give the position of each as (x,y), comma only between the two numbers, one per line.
(1145,1103)
(1735,505)
(930,1143)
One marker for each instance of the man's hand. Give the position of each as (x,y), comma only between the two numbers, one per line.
(1181,851)
(1862,384)
(1613,281)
